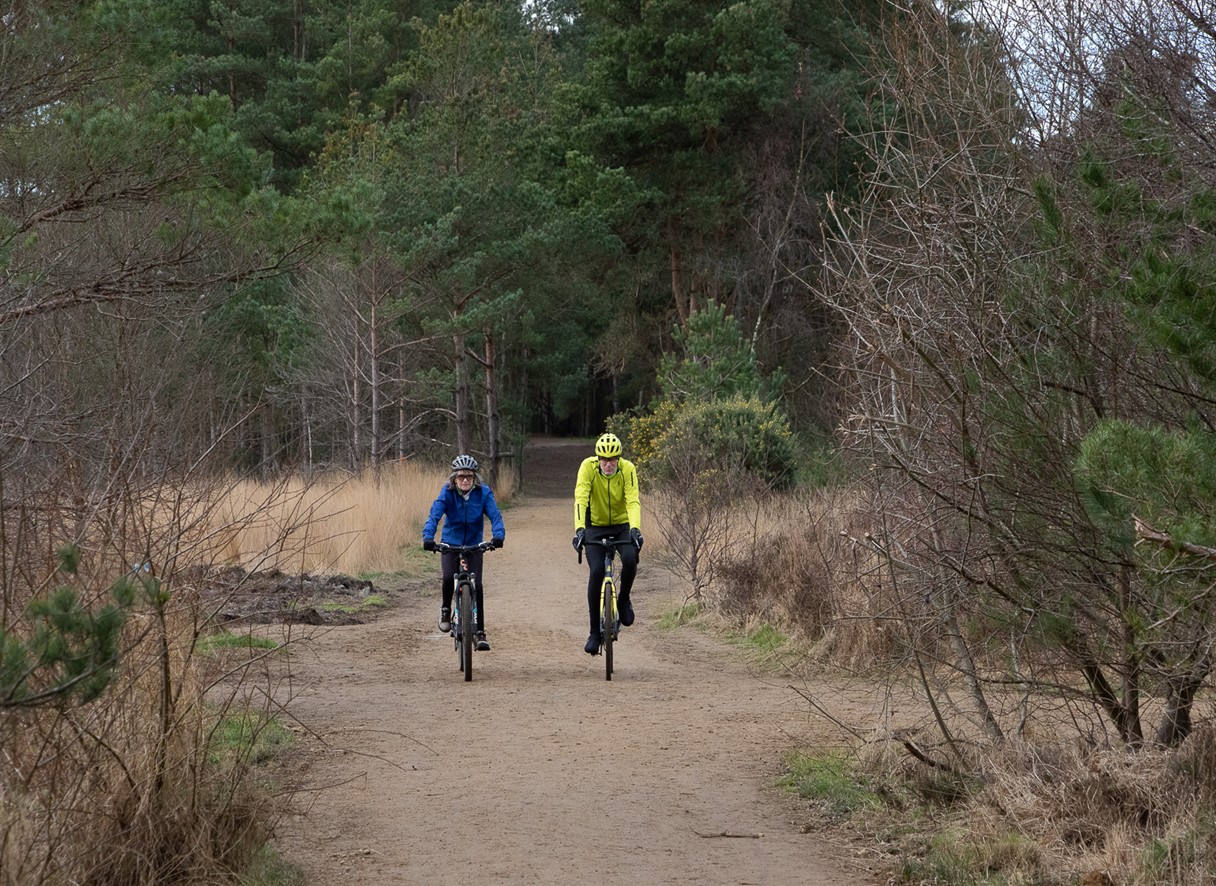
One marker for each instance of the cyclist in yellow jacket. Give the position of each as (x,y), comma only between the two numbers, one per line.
(607,505)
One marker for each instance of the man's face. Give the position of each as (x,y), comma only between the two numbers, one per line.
(608,466)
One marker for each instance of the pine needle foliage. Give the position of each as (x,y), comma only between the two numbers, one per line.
(71,652)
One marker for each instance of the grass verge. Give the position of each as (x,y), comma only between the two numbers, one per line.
(371,601)
(830,781)
(248,736)
(224,639)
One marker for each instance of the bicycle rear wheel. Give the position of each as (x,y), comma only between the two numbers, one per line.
(466,630)
(607,624)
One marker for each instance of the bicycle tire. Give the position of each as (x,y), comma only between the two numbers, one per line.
(607,623)
(466,630)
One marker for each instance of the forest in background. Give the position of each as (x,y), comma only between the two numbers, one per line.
(940,277)
(337,235)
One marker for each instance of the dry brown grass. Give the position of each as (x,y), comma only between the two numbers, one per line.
(1139,818)
(1049,812)
(1052,805)
(323,525)
(126,789)
(798,561)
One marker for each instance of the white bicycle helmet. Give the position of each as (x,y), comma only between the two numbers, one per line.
(464,463)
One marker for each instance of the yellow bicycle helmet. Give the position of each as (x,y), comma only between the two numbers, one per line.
(608,446)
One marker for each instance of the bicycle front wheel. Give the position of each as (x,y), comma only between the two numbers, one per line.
(607,624)
(466,630)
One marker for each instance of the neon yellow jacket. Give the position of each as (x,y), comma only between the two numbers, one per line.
(610,500)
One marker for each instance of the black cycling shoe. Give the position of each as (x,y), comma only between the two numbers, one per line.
(483,645)
(625,610)
(445,619)
(593,644)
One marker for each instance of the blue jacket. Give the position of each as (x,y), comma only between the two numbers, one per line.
(463,520)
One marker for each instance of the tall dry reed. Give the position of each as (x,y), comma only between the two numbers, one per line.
(328,524)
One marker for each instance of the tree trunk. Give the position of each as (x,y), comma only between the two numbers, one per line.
(356,393)
(401,413)
(1131,654)
(966,666)
(461,393)
(374,377)
(267,443)
(678,286)
(492,417)
(963,659)
(1180,697)
(1126,725)
(306,413)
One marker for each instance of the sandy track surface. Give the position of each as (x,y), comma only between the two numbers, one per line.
(540,770)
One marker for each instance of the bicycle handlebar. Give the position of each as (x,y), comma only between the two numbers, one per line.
(608,543)
(442,547)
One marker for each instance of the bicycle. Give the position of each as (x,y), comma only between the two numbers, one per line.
(610,618)
(464,604)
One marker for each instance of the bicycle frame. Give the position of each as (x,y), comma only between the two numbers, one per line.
(464,604)
(610,619)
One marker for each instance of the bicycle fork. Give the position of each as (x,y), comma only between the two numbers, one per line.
(608,604)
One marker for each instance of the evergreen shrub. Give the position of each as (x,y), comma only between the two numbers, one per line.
(744,434)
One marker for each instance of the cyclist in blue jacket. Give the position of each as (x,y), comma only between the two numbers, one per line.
(463,504)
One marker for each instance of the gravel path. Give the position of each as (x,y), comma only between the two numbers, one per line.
(539,770)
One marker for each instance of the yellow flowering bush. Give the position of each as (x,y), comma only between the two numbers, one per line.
(743,435)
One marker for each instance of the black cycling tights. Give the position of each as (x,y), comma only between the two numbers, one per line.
(595,561)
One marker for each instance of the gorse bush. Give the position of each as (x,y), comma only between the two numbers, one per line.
(644,435)
(717,411)
(740,435)
(716,441)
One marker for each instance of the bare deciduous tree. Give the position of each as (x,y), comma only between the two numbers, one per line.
(982,277)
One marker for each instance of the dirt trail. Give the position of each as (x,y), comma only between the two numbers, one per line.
(413,776)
